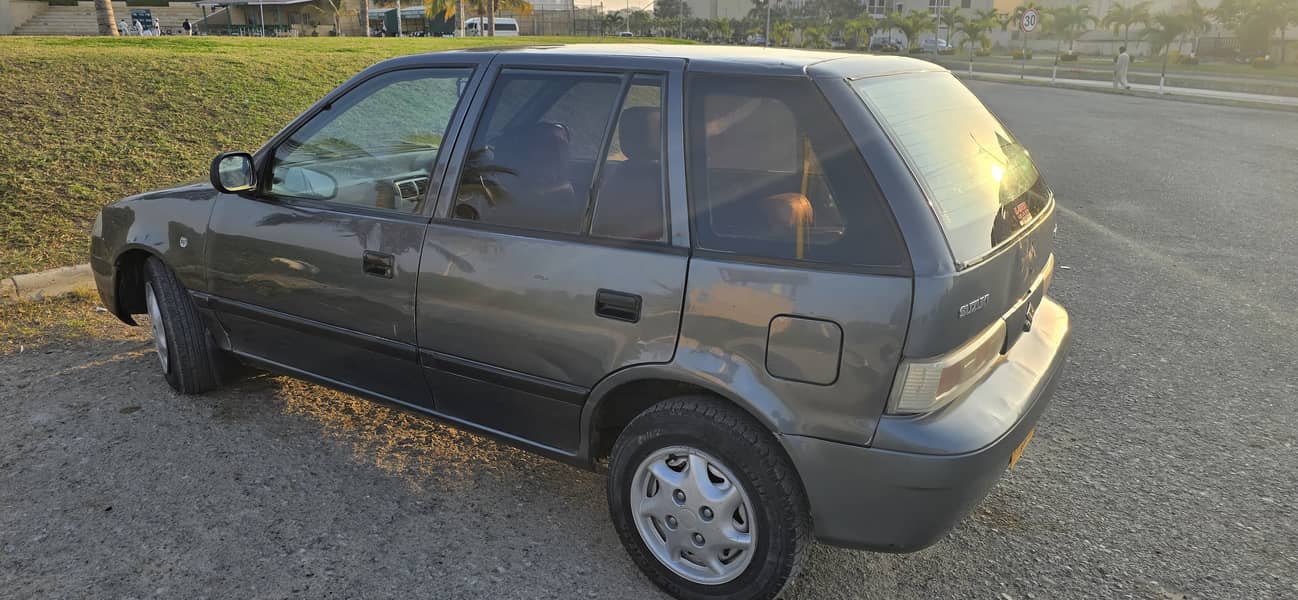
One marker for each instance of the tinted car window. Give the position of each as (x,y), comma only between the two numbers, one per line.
(629,201)
(773,174)
(981,181)
(375,146)
(532,168)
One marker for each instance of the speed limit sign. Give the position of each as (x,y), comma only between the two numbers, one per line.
(1030,19)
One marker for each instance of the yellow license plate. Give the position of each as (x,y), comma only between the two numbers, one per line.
(1018,452)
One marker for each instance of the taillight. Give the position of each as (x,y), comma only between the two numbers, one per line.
(926,385)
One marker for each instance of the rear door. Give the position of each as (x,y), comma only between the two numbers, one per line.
(552,260)
(316,272)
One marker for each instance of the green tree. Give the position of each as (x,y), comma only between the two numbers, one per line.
(1121,18)
(672,9)
(987,15)
(951,18)
(335,9)
(913,24)
(781,33)
(814,37)
(975,31)
(892,21)
(856,32)
(1067,23)
(1164,29)
(1198,21)
(1254,21)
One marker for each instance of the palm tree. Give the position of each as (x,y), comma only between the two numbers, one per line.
(105,17)
(1198,21)
(893,21)
(1067,22)
(1005,19)
(950,17)
(781,33)
(1122,17)
(1164,30)
(974,30)
(913,24)
(989,16)
(856,32)
(813,37)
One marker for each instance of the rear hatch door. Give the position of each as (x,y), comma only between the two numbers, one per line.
(991,203)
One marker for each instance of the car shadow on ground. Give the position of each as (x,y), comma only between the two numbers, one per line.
(267,463)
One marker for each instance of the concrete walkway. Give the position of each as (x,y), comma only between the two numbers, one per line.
(1223,97)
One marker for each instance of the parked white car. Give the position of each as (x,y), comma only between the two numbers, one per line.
(505,27)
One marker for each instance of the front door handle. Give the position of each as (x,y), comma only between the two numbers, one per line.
(378,264)
(619,306)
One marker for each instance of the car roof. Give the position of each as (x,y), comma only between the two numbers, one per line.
(721,59)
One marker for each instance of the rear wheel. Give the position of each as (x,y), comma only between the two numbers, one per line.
(706,502)
(185,350)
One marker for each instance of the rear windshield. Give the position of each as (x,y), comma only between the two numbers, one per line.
(981,182)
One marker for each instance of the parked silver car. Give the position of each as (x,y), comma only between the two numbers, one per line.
(776,294)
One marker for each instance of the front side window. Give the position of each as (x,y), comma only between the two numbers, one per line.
(375,147)
(773,174)
(531,163)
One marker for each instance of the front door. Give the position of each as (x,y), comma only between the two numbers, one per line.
(316,272)
(552,261)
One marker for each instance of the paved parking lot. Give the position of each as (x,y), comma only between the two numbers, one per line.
(1165,469)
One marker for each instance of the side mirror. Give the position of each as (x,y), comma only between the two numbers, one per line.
(233,172)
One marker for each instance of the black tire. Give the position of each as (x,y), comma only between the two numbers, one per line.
(750,451)
(192,365)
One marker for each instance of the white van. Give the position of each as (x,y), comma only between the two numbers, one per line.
(505,26)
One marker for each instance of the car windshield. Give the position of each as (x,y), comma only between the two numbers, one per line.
(980,180)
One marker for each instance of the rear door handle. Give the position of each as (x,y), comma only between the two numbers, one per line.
(378,264)
(619,306)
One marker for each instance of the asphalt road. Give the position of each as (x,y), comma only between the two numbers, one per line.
(1165,469)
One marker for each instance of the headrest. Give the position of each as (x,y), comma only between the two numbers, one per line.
(640,132)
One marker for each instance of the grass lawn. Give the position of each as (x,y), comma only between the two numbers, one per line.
(85,121)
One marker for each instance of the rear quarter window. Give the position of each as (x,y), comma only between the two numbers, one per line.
(981,182)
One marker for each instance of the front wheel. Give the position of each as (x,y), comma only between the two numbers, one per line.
(185,351)
(706,502)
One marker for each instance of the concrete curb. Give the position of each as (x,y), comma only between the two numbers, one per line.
(46,284)
(1134,93)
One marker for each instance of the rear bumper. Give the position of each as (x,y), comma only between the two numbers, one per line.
(923,475)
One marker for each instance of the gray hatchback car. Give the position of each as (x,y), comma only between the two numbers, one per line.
(777,295)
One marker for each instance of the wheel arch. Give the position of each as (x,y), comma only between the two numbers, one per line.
(617,399)
(129,275)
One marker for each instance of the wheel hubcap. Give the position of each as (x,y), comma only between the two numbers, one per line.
(159,332)
(693,515)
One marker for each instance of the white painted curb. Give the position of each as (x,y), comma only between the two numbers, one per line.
(46,284)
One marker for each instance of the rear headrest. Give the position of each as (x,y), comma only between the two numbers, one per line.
(640,132)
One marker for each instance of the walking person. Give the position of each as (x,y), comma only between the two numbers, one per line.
(123,28)
(1120,65)
(189,29)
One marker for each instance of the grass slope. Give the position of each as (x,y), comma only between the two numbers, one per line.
(85,121)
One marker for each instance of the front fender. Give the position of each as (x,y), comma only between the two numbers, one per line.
(170,224)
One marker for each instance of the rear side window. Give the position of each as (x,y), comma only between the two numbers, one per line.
(774,175)
(980,180)
(531,166)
